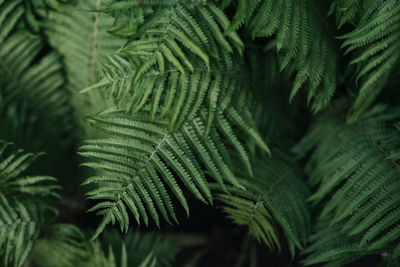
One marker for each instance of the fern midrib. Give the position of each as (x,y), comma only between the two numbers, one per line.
(254,210)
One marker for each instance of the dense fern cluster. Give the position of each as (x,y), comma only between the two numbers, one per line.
(281,113)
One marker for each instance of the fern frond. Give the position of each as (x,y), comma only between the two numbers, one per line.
(347,11)
(275,195)
(160,246)
(30,77)
(302,37)
(253,215)
(135,249)
(21,216)
(142,159)
(19,229)
(331,247)
(181,35)
(12,165)
(64,245)
(80,35)
(375,42)
(173,95)
(357,179)
(27,13)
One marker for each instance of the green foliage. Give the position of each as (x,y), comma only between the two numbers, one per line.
(375,43)
(275,195)
(300,37)
(31,82)
(81,37)
(141,157)
(29,13)
(65,245)
(347,11)
(355,169)
(175,101)
(23,208)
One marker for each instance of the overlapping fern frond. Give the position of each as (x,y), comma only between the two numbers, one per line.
(274,196)
(176,122)
(179,33)
(172,95)
(170,62)
(375,45)
(355,170)
(21,215)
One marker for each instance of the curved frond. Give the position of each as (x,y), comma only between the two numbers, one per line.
(347,11)
(275,195)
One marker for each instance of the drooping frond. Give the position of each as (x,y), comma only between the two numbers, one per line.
(253,215)
(302,36)
(21,215)
(142,159)
(275,195)
(375,43)
(355,170)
